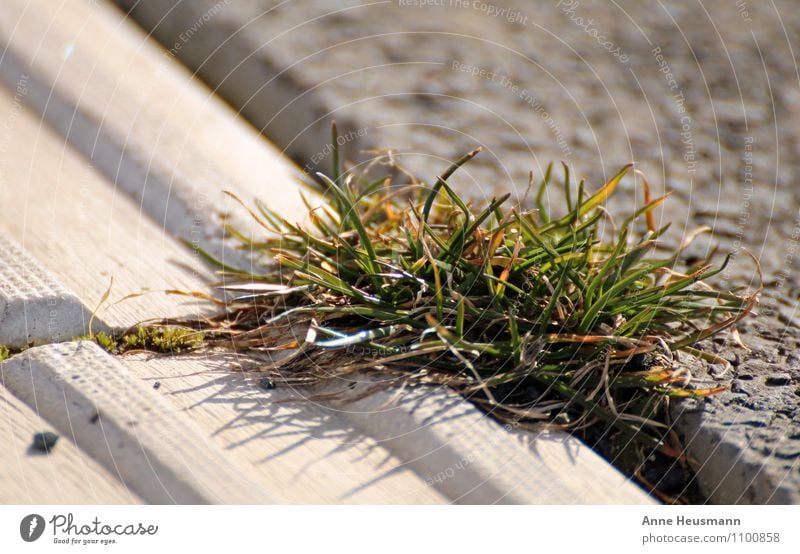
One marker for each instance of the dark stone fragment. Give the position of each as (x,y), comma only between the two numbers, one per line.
(44,442)
(157,385)
(266,383)
(788,452)
(665,475)
(779,380)
(734,359)
(639,362)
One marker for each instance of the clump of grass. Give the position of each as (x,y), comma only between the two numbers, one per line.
(534,317)
(5,353)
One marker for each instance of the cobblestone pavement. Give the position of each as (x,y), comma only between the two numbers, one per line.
(704,96)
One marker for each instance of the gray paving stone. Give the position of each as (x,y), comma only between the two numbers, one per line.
(745,443)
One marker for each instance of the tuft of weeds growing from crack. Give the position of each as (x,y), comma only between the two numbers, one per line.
(161,339)
(535,317)
(102,339)
(5,353)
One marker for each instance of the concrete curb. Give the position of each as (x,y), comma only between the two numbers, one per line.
(65,475)
(35,308)
(727,471)
(91,398)
(473,460)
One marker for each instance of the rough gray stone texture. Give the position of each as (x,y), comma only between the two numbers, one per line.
(745,443)
(34,307)
(704,96)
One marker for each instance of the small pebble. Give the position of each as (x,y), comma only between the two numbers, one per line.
(266,383)
(716,371)
(157,385)
(734,359)
(778,380)
(44,442)
(638,362)
(739,387)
